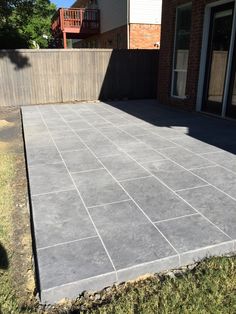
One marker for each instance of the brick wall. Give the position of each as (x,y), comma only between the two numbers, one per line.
(116,38)
(144,36)
(166,52)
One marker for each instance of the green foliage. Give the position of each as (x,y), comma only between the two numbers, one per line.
(38,27)
(25,23)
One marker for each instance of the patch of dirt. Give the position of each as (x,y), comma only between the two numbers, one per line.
(22,270)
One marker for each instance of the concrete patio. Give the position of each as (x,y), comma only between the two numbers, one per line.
(123,189)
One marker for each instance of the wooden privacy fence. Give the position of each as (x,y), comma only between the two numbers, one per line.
(30,77)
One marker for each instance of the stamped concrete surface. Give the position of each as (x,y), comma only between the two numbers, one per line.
(123,189)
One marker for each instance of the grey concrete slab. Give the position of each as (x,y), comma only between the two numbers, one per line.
(134,129)
(163,131)
(98,187)
(209,251)
(222,158)
(123,167)
(194,145)
(103,148)
(79,125)
(58,133)
(214,205)
(81,160)
(134,239)
(153,267)
(185,158)
(156,141)
(91,136)
(44,155)
(67,219)
(117,136)
(47,178)
(173,175)
(141,152)
(191,233)
(158,202)
(71,143)
(70,262)
(91,230)
(70,117)
(220,178)
(38,140)
(73,289)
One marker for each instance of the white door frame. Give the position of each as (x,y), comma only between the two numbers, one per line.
(204,50)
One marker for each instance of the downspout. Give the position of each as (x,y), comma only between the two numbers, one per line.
(128,26)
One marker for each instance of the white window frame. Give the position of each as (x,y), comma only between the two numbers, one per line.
(174,54)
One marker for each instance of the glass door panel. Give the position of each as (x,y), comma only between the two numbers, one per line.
(218,50)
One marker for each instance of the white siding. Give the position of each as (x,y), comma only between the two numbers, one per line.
(113,14)
(145,11)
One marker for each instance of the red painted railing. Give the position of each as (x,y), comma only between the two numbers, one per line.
(76,20)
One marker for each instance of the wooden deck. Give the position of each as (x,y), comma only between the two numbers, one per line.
(75,23)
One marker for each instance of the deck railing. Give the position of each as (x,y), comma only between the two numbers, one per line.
(85,20)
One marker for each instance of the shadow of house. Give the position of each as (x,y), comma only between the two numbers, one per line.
(4,263)
(211,130)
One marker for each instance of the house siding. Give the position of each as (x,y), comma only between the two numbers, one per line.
(144,24)
(145,12)
(113,14)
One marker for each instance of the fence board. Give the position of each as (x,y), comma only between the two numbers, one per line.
(56,75)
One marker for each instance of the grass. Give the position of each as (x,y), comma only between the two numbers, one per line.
(16,274)
(8,303)
(208,288)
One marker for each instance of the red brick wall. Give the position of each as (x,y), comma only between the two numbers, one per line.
(144,36)
(116,38)
(166,52)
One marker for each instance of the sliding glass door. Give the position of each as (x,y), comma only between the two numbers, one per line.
(217,57)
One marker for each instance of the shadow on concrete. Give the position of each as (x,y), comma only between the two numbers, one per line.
(211,130)
(4,263)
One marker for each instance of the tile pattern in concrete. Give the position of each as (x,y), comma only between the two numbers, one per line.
(123,189)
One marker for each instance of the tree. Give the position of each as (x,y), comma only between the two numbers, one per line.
(25,23)
(38,28)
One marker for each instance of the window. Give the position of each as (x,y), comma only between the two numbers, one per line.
(181,50)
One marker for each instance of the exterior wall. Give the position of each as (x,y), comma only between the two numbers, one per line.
(145,12)
(167,50)
(80,4)
(145,19)
(144,36)
(113,13)
(114,39)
